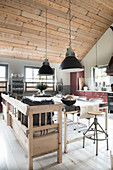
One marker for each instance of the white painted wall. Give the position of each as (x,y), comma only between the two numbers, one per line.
(17,66)
(104,53)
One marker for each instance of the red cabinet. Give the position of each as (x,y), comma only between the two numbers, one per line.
(96,94)
(74,81)
(74,85)
(79,93)
(90,95)
(103,95)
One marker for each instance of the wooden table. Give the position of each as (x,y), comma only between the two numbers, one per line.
(66,141)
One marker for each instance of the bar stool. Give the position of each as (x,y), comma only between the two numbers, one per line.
(95,130)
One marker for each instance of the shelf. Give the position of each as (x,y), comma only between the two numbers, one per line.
(3,86)
(17,86)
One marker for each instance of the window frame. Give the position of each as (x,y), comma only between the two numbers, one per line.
(4,80)
(32,79)
(33,67)
(99,67)
(6,74)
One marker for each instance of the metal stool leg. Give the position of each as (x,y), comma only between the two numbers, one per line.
(96,136)
(84,141)
(96,130)
(85,134)
(73,121)
(88,128)
(105,135)
(107,145)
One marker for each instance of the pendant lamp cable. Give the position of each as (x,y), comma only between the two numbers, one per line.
(46,34)
(96,54)
(69,23)
(46,69)
(70,62)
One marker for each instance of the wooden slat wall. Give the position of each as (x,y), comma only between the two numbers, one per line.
(22,27)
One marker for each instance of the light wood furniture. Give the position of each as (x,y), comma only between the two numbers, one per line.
(65,129)
(96,130)
(34,145)
(66,141)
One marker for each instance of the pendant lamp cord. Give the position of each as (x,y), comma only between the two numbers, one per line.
(70,23)
(96,53)
(46,33)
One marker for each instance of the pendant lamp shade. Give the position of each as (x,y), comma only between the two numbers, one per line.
(46,69)
(70,63)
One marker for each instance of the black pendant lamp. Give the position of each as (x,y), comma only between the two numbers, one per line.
(46,69)
(70,63)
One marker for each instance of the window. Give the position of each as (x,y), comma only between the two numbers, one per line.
(3,72)
(31,74)
(32,78)
(3,77)
(100,76)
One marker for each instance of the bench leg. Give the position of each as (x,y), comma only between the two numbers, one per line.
(30,163)
(59,156)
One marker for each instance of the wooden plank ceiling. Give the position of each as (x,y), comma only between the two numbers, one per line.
(22,27)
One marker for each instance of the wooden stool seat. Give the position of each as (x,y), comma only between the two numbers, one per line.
(96,113)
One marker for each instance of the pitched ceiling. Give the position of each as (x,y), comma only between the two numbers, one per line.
(22,27)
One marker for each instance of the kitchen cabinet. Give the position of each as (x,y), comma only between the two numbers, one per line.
(90,95)
(74,81)
(104,96)
(96,94)
(82,93)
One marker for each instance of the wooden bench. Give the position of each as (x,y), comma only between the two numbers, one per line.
(34,145)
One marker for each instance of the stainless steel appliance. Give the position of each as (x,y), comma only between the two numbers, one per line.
(110,102)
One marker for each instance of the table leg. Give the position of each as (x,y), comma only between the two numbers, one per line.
(65,132)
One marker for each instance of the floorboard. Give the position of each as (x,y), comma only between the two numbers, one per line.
(13,157)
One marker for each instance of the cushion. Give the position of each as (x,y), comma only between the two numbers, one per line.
(36,116)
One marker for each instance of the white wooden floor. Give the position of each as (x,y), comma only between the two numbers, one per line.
(13,157)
